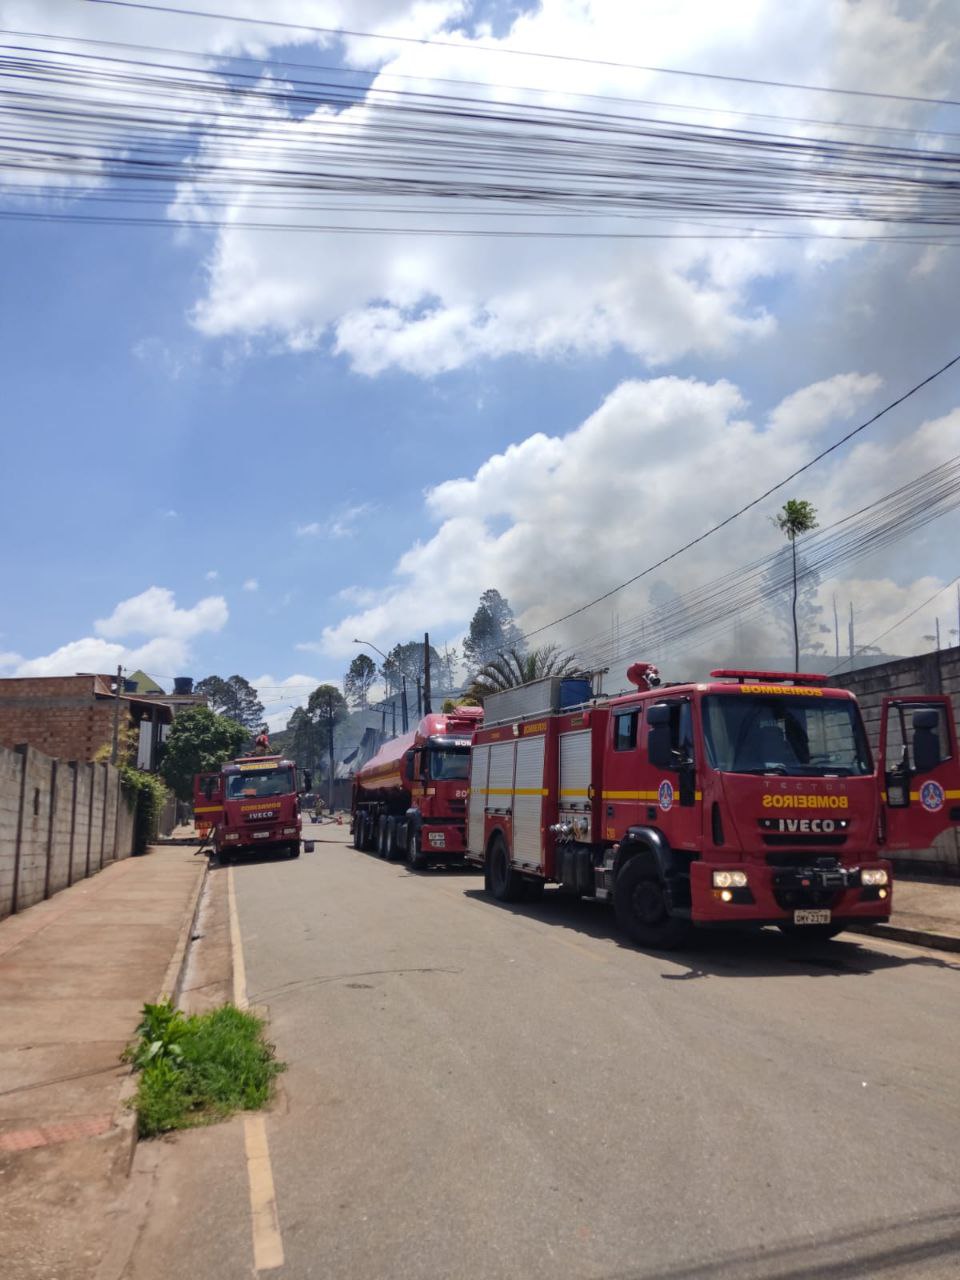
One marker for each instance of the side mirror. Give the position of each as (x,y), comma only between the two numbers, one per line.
(410,763)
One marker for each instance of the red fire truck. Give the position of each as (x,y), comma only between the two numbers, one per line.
(410,800)
(750,799)
(252,804)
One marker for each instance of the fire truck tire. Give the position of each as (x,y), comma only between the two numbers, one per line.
(506,885)
(809,933)
(293,850)
(642,910)
(415,859)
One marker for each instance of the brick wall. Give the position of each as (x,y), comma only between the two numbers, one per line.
(58,715)
(929,673)
(59,822)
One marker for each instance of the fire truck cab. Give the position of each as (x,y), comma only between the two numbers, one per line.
(751,799)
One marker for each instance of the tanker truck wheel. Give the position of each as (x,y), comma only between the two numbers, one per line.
(415,859)
(382,837)
(356,840)
(390,840)
(506,885)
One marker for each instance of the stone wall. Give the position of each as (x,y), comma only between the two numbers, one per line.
(929,673)
(59,822)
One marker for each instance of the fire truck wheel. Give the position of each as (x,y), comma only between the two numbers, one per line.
(506,885)
(293,850)
(810,932)
(415,859)
(642,911)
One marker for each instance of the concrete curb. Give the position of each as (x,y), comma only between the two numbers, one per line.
(176,969)
(900,933)
(124,1116)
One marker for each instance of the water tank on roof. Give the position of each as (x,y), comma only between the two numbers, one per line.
(183,684)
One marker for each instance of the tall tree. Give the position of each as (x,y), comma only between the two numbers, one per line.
(235,698)
(360,676)
(327,707)
(199,742)
(306,741)
(492,630)
(406,660)
(510,669)
(795,518)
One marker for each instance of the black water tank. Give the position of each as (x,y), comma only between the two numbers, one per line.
(183,684)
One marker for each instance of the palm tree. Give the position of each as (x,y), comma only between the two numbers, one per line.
(507,670)
(797,516)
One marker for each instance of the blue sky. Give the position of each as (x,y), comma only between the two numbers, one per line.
(173,439)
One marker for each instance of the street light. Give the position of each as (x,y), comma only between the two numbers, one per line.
(371,646)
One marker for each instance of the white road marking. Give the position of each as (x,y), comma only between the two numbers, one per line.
(264,1219)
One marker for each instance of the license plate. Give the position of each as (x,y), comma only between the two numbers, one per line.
(811,916)
(263,835)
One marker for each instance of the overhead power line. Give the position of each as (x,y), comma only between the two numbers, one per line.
(175,135)
(894,625)
(473,47)
(748,506)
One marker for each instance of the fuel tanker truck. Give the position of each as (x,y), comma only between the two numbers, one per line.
(410,800)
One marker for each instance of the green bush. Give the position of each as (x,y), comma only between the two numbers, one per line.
(150,795)
(196,1070)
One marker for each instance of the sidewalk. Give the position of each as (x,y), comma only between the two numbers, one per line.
(924,912)
(74,973)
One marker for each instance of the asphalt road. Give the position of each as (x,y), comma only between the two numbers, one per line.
(480,1091)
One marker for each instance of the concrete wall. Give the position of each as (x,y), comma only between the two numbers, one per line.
(929,673)
(59,822)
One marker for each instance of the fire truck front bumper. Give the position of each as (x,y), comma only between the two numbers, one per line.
(821,892)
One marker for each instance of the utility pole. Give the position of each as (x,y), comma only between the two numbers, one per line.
(937,620)
(403,704)
(393,704)
(850,630)
(419,700)
(114,750)
(836,624)
(427,708)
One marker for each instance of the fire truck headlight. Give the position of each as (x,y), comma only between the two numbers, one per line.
(729,879)
(874,876)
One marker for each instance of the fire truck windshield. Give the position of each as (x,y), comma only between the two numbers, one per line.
(447,763)
(800,736)
(259,784)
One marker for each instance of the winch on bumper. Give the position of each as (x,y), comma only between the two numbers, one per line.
(761,894)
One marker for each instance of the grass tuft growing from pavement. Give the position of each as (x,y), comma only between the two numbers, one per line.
(199,1069)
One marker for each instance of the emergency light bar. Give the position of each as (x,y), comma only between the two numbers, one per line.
(769,677)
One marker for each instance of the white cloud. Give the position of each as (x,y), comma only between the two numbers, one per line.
(155,612)
(342,524)
(211,575)
(433,304)
(170,514)
(555,520)
(152,614)
(251,584)
(9,661)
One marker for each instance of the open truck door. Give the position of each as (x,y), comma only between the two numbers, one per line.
(919,770)
(207,802)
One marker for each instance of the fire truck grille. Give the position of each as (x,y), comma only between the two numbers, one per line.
(457,806)
(792,841)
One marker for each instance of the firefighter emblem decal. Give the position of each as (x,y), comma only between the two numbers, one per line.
(665,795)
(931,797)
